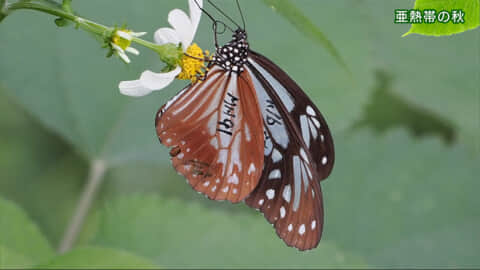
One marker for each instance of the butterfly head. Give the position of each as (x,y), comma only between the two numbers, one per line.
(233,55)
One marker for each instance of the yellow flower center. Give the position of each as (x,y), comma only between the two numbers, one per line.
(193,63)
(120,40)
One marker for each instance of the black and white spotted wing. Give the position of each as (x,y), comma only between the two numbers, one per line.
(298,153)
(313,127)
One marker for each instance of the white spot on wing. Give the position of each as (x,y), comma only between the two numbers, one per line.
(275,174)
(282,212)
(260,202)
(251,169)
(316,122)
(276,156)
(206,184)
(324,160)
(225,189)
(287,193)
(297,180)
(311,111)
(313,130)
(314,224)
(305,129)
(247,133)
(290,227)
(304,155)
(233,179)
(270,194)
(301,230)
(214,142)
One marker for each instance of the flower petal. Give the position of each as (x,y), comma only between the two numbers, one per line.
(124,35)
(149,81)
(133,88)
(166,35)
(183,26)
(124,56)
(195,13)
(138,34)
(157,81)
(132,50)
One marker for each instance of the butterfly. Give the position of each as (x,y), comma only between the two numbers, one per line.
(247,132)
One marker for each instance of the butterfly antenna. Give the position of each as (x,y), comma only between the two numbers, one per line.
(204,11)
(241,14)
(223,13)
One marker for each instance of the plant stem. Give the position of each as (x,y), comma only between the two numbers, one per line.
(46,7)
(94,180)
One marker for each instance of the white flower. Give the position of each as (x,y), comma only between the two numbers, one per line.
(121,41)
(182,31)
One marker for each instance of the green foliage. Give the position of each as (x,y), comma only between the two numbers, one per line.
(388,110)
(96,257)
(405,198)
(174,233)
(21,242)
(439,75)
(303,24)
(472,17)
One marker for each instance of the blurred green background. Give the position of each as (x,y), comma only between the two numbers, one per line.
(404,190)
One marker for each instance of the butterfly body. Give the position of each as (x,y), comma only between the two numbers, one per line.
(233,55)
(248,132)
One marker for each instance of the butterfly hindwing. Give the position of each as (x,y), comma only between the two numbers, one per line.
(288,193)
(215,132)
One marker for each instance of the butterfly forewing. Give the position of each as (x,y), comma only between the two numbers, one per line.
(215,132)
(307,118)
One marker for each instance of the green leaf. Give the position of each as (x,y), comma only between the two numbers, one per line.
(21,242)
(174,233)
(303,24)
(98,257)
(472,17)
(401,202)
(11,259)
(439,75)
(38,170)
(388,110)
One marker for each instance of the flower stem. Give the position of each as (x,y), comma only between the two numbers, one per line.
(95,178)
(64,11)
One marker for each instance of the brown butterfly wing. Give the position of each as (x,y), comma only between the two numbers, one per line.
(215,132)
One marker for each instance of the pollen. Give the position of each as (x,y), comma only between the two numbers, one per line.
(122,38)
(193,63)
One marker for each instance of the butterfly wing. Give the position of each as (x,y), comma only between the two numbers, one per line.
(289,192)
(306,116)
(215,132)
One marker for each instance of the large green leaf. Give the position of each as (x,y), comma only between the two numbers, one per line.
(471,9)
(174,233)
(21,242)
(438,74)
(61,75)
(97,257)
(303,24)
(393,198)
